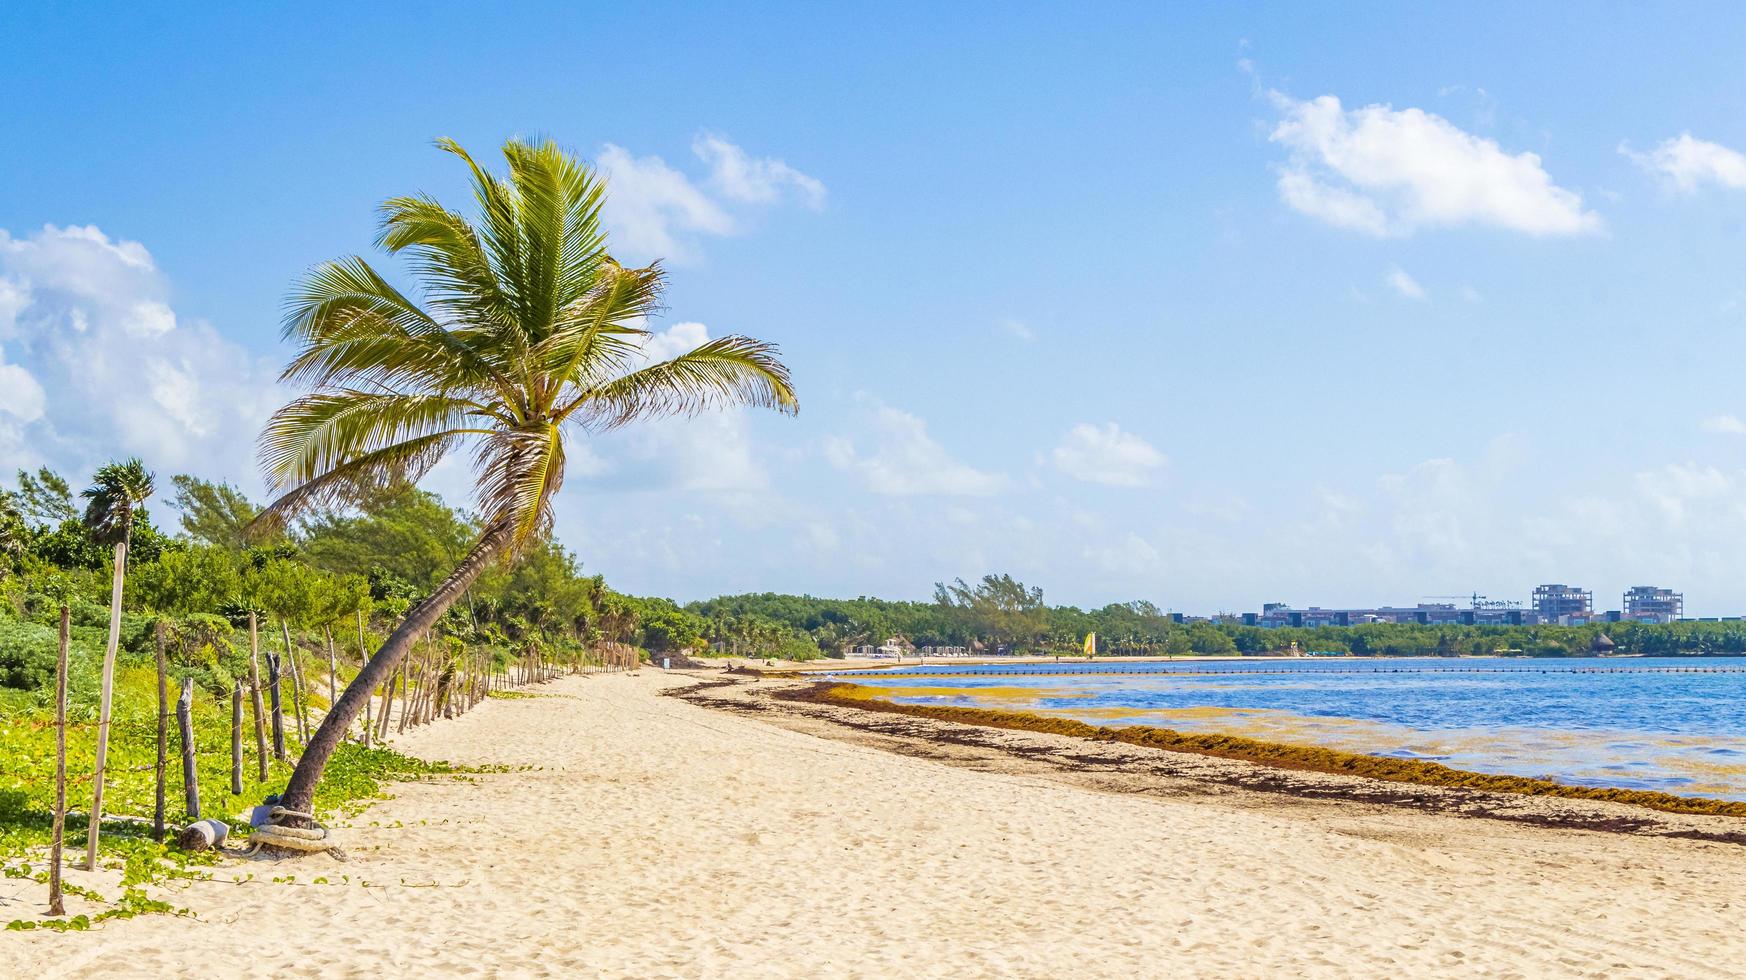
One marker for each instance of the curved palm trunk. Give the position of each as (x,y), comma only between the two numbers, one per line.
(300,792)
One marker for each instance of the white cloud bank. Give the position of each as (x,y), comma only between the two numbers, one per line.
(95,364)
(906,461)
(1109,456)
(1687,163)
(655,210)
(1390,172)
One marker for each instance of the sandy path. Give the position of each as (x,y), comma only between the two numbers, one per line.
(664,839)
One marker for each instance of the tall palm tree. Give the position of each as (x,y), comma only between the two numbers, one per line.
(116,493)
(528,330)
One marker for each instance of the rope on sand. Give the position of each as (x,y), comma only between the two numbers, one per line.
(310,839)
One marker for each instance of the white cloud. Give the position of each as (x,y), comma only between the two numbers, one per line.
(656,211)
(1471,295)
(649,205)
(1387,172)
(1018,330)
(1687,163)
(756,180)
(1406,285)
(14,297)
(906,461)
(20,395)
(87,318)
(1727,424)
(1109,456)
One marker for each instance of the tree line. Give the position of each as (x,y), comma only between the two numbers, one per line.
(1000,615)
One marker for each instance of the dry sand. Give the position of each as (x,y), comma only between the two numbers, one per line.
(660,838)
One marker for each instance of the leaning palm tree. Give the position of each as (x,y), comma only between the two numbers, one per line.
(116,493)
(528,329)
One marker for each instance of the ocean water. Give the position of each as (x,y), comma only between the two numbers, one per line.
(1677,725)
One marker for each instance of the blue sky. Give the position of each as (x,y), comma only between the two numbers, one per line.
(1205,306)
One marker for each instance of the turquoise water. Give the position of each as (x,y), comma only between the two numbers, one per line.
(1677,725)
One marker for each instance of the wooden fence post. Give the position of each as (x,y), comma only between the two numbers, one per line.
(278,706)
(163,731)
(255,697)
(236,751)
(56,907)
(190,774)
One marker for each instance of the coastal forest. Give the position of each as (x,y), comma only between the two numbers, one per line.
(998,615)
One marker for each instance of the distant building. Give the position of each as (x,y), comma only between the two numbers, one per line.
(1564,604)
(1278,614)
(1648,604)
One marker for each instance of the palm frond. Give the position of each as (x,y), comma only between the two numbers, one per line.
(358,479)
(722,373)
(324,429)
(594,337)
(448,256)
(116,491)
(519,472)
(501,234)
(356,328)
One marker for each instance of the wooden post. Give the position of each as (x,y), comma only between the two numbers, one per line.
(105,705)
(405,693)
(163,732)
(278,707)
(236,751)
(255,697)
(56,906)
(297,712)
(332,669)
(388,700)
(185,722)
(364,661)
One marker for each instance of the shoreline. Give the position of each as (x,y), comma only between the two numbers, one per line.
(1266,767)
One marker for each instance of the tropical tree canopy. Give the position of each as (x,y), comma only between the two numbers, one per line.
(117,490)
(526,325)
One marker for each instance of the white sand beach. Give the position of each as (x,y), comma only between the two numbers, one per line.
(656,838)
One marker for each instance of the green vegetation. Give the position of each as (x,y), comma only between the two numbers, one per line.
(999,614)
(330,586)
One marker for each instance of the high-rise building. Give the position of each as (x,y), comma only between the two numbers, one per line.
(1648,604)
(1560,603)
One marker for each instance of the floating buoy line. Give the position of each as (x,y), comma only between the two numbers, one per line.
(1310,672)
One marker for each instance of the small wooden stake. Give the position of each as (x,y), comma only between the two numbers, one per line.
(236,749)
(190,774)
(56,906)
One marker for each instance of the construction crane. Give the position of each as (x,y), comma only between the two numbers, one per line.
(1481,602)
